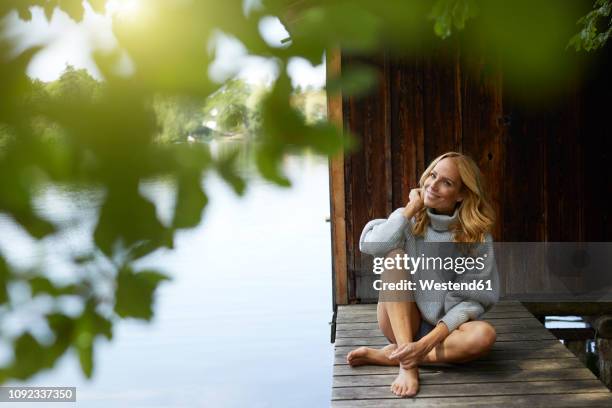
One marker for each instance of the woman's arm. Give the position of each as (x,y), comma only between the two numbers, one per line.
(380,236)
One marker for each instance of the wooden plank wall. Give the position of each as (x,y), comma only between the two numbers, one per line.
(546,167)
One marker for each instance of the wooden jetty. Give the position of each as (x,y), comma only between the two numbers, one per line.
(527,366)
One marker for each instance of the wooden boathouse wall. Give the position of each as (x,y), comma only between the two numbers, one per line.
(547,166)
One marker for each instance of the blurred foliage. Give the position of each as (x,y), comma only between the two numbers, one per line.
(177,116)
(451,13)
(79,133)
(596,27)
(311,103)
(233,107)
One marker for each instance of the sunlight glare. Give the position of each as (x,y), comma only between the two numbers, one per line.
(124,8)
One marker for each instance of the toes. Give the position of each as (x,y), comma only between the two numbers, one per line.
(397,389)
(394,389)
(409,392)
(351,355)
(403,390)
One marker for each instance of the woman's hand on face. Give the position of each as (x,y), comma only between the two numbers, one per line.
(415,202)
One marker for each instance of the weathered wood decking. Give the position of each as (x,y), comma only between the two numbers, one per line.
(528,366)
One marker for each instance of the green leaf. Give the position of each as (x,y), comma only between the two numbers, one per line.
(190,201)
(98,6)
(49,9)
(86,358)
(227,169)
(268,158)
(29,357)
(127,218)
(64,328)
(87,327)
(24,12)
(74,8)
(42,285)
(134,296)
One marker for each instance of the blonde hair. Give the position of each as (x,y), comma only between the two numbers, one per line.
(476,216)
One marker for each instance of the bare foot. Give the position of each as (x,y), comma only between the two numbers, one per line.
(367,355)
(407,383)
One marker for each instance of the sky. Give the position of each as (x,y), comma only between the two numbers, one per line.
(70,43)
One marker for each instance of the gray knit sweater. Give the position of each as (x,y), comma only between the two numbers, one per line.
(453,307)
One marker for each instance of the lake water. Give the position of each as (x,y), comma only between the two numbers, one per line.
(245,320)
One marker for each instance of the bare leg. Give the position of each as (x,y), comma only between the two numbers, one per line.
(399,321)
(368,355)
(471,340)
(404,319)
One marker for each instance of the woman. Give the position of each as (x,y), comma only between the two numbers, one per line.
(435,326)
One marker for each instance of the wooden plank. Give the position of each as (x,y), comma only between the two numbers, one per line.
(336,186)
(564,191)
(367,117)
(407,126)
(482,389)
(445,376)
(483,135)
(523,221)
(442,102)
(352,247)
(493,401)
(527,365)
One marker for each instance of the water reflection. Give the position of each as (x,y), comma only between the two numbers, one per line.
(244,321)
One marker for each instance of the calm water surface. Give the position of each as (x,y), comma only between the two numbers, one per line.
(244,322)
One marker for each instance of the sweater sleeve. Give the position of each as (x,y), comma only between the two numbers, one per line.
(380,236)
(463,305)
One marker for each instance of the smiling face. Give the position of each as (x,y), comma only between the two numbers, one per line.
(442,187)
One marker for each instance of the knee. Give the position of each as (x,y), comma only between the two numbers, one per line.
(482,338)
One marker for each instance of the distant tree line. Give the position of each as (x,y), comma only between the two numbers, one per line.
(233,109)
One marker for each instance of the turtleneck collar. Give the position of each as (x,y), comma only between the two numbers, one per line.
(441,222)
